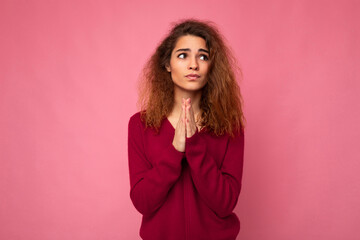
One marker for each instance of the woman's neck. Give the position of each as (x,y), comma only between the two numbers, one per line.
(195,102)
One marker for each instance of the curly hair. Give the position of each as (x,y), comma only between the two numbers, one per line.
(221,100)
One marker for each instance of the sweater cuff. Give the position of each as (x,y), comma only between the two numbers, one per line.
(194,138)
(195,145)
(174,153)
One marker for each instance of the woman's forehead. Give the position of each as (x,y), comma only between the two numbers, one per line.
(190,42)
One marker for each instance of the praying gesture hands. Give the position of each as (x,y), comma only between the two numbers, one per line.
(186,126)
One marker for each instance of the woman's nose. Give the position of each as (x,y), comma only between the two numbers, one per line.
(193,64)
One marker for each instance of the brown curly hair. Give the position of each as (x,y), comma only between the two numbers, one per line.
(221,100)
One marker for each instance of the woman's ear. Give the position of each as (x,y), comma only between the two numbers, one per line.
(167,67)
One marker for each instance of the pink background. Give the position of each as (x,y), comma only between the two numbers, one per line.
(68,72)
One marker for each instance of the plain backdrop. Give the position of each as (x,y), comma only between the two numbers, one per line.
(68,85)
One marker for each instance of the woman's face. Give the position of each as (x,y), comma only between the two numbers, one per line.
(189,56)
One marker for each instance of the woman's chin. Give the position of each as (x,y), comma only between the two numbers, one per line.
(190,87)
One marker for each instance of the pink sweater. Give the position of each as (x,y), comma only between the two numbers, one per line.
(188,195)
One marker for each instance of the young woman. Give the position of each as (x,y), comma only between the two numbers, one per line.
(186,145)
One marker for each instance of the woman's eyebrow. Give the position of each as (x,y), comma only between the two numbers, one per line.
(188,50)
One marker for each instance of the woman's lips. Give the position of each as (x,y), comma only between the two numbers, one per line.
(192,76)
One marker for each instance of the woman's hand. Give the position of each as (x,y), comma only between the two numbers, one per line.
(190,119)
(180,131)
(186,126)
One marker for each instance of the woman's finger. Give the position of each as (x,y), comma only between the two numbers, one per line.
(191,114)
(180,134)
(190,120)
(183,120)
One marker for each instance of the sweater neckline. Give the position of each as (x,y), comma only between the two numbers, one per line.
(169,123)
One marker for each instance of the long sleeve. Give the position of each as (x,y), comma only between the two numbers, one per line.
(150,182)
(218,187)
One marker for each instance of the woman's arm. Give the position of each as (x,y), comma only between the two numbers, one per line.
(149,184)
(219,188)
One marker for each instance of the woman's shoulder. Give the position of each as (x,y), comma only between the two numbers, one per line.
(135,119)
(137,122)
(136,116)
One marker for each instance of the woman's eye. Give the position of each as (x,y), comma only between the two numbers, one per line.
(182,54)
(205,57)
